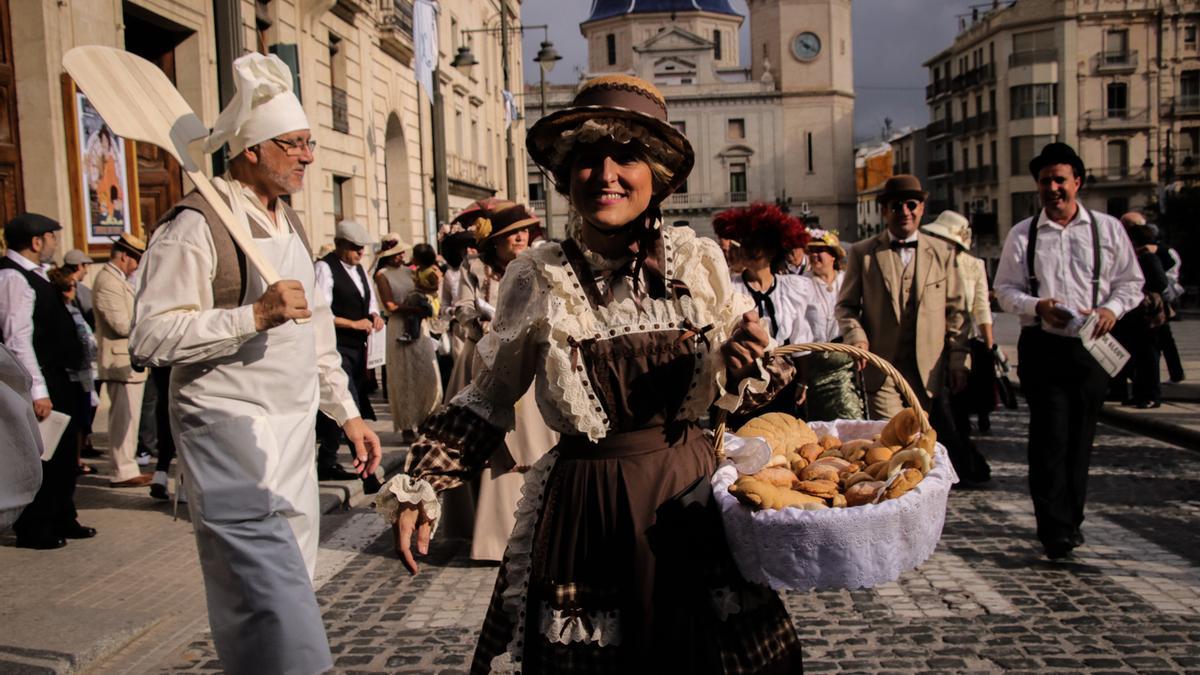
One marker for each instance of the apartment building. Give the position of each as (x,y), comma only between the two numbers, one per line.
(1117,79)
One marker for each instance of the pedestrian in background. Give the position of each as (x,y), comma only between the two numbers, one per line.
(1057,268)
(979,398)
(1148,320)
(114,300)
(37,328)
(414,383)
(341,280)
(84,373)
(76,263)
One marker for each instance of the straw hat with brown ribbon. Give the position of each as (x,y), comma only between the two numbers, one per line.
(639,112)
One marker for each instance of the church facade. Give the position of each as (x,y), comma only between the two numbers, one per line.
(775,129)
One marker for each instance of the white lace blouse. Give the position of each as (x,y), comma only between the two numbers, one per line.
(821,317)
(791,296)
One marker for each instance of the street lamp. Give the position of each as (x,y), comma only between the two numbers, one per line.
(464,60)
(546,57)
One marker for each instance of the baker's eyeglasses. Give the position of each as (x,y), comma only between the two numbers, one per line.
(910,204)
(295,148)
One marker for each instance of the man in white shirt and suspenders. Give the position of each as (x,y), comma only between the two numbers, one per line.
(1079,262)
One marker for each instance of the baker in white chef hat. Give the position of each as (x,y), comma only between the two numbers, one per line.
(252,381)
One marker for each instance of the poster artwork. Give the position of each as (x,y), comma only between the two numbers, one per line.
(105,189)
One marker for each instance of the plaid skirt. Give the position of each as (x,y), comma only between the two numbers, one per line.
(630,571)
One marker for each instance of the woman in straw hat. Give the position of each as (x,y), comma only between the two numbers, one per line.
(414,387)
(832,393)
(618,562)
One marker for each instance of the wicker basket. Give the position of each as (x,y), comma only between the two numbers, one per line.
(852,547)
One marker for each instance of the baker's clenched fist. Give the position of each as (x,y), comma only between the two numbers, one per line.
(283,302)
(747,344)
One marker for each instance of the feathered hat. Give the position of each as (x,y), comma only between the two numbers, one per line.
(762,224)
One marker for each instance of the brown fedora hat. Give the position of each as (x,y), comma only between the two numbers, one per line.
(901,186)
(619,97)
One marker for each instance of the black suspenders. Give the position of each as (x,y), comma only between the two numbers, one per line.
(1031,252)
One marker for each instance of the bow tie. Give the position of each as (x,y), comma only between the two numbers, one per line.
(897,245)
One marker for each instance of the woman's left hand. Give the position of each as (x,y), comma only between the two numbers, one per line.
(747,344)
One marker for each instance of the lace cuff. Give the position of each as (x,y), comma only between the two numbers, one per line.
(403,489)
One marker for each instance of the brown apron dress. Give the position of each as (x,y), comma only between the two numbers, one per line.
(630,569)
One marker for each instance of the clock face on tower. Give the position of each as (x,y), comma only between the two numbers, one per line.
(806,46)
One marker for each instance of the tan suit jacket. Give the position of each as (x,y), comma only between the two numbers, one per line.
(112,300)
(868,308)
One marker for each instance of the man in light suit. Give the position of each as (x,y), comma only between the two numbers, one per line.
(112,300)
(902,300)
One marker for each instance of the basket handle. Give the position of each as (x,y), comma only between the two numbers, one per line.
(888,369)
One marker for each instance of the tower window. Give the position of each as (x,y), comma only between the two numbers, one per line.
(809,143)
(717,44)
(736,129)
(611,43)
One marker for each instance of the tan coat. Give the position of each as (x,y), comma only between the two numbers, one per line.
(868,308)
(112,300)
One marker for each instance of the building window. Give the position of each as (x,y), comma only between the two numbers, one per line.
(454,35)
(1189,36)
(735,129)
(1116,99)
(1116,46)
(343,198)
(680,126)
(1189,90)
(1034,40)
(537,189)
(1025,148)
(737,182)
(809,143)
(610,41)
(337,85)
(1118,159)
(1024,205)
(458,132)
(1033,100)
(717,44)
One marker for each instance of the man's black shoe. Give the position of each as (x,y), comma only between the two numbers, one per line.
(1058,550)
(41,543)
(1075,539)
(371,484)
(159,491)
(335,472)
(77,531)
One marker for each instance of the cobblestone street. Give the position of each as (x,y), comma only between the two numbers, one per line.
(987,601)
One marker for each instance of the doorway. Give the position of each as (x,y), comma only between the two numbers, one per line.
(12,193)
(399,192)
(160,181)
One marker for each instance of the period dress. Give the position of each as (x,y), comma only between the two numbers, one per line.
(832,391)
(618,562)
(414,384)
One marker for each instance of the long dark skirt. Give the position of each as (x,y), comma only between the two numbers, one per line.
(631,572)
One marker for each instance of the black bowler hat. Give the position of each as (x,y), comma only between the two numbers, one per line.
(1056,153)
(29,225)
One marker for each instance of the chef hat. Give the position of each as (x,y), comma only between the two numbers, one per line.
(264,106)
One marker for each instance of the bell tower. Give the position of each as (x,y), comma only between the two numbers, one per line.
(806,47)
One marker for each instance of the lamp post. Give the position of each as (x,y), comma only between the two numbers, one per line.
(547,56)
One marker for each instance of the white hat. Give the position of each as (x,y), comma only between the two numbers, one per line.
(950,226)
(353,232)
(263,108)
(76,257)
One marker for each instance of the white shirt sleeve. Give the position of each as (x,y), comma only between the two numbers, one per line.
(324,277)
(174,319)
(16,326)
(1012,286)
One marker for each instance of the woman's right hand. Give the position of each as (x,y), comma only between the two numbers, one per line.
(411,519)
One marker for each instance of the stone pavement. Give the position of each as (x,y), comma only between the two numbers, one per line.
(987,601)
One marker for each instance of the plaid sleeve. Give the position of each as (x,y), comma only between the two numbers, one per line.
(780,373)
(454,445)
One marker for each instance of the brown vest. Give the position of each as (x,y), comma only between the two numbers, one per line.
(229,277)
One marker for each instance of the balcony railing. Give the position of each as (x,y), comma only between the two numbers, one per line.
(983,174)
(981,122)
(937,128)
(467,171)
(1123,175)
(396,28)
(1115,118)
(974,77)
(1032,56)
(1115,62)
(938,167)
(1182,105)
(737,197)
(687,200)
(341,111)
(937,88)
(538,205)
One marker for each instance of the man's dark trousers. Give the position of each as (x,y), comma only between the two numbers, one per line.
(329,434)
(1064,387)
(52,510)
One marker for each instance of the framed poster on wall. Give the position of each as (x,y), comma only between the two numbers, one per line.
(103,176)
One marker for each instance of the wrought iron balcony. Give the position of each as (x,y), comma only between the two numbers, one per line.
(1184,105)
(1115,118)
(937,128)
(938,167)
(1116,62)
(396,29)
(1120,175)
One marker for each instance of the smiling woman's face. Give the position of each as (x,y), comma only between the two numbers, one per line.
(610,184)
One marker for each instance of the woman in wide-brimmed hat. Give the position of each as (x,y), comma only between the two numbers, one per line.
(631,331)
(832,392)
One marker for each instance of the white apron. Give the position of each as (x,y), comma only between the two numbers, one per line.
(244,426)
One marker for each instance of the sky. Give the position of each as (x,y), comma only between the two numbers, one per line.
(891,40)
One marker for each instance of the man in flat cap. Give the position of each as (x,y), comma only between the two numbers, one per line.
(902,299)
(1057,268)
(39,331)
(124,384)
(344,285)
(247,379)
